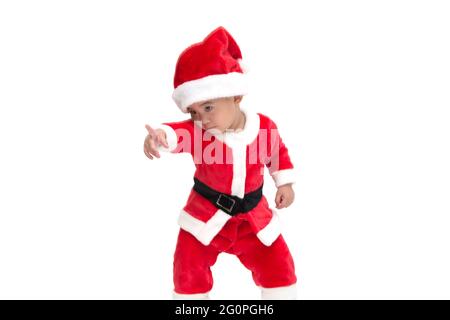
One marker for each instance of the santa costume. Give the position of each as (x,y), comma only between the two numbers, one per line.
(226,211)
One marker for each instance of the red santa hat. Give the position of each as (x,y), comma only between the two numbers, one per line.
(209,69)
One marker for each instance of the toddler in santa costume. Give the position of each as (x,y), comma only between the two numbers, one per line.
(230,146)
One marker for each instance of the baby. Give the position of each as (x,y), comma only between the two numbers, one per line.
(226,210)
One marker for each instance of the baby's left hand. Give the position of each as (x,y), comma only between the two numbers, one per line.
(285,196)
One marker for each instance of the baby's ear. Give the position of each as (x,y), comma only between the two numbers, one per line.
(238,99)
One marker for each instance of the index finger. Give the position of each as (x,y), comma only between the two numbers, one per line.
(150,130)
(162,141)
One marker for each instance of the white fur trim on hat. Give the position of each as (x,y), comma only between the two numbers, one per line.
(210,87)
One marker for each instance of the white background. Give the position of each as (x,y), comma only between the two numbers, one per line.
(359,90)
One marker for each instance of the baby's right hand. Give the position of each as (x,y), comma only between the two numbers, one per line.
(154,139)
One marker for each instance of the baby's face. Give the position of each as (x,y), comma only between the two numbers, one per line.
(216,114)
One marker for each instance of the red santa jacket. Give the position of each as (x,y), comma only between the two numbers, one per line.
(231,163)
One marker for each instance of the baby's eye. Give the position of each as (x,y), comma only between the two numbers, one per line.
(208,108)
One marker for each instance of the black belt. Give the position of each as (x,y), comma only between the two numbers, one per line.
(228,203)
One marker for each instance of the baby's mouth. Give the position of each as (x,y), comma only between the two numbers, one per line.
(213,130)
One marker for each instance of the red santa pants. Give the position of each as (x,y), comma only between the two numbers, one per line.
(271,266)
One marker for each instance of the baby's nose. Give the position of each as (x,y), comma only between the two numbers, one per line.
(204,119)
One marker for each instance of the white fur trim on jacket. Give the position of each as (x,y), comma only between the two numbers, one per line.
(238,142)
(282,177)
(279,293)
(171,137)
(270,233)
(210,87)
(204,232)
(244,136)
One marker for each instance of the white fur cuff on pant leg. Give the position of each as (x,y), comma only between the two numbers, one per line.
(196,296)
(279,293)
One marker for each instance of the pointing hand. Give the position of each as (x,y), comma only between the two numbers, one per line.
(154,139)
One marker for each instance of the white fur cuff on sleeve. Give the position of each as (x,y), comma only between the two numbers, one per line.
(171,137)
(282,177)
